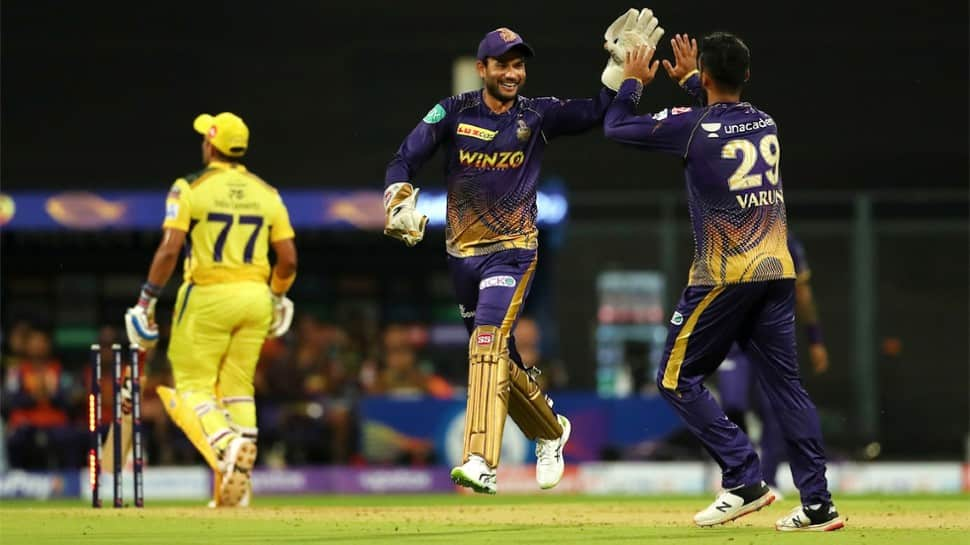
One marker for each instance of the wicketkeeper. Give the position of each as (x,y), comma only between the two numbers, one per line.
(494,139)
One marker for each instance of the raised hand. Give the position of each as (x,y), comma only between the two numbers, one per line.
(685,57)
(622,24)
(638,64)
(632,29)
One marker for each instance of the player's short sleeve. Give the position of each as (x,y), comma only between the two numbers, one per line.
(280,227)
(178,206)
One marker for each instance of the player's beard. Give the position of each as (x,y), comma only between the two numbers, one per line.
(494,88)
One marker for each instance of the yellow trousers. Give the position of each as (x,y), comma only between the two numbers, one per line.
(217,333)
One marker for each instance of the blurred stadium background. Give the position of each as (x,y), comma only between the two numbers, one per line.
(366,392)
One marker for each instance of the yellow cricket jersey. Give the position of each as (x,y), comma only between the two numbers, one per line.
(231,216)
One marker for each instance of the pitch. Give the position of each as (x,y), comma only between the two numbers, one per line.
(471,520)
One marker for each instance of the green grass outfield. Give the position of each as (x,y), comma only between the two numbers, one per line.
(469,520)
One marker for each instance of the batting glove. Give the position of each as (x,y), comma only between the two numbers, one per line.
(141,326)
(282,316)
(402,219)
(632,29)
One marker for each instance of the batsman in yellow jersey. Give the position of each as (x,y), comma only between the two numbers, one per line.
(225,219)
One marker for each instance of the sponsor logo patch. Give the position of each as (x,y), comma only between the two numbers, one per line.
(174,192)
(464,129)
(680,110)
(677,318)
(434,115)
(171,210)
(485,339)
(497,160)
(661,115)
(755,125)
(465,313)
(497,282)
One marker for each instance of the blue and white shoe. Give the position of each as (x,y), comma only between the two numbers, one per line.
(812,518)
(735,503)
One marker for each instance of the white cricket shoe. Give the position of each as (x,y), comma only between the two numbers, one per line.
(814,518)
(735,503)
(238,460)
(475,474)
(550,464)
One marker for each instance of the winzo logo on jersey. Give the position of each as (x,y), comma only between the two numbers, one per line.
(497,159)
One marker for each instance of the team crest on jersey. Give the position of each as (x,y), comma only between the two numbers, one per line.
(522,132)
(677,318)
(464,129)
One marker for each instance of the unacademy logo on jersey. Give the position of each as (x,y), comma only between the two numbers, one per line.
(677,318)
(711,129)
(758,124)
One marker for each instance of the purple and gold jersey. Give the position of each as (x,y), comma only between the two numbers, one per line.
(492,164)
(731,155)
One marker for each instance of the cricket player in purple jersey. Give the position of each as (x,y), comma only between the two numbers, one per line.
(494,140)
(741,285)
(736,379)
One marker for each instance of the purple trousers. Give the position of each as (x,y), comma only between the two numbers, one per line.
(740,392)
(760,317)
(491,289)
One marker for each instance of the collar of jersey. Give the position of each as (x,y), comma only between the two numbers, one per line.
(489,111)
(226,166)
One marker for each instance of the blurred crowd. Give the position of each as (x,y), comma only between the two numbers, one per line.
(308,387)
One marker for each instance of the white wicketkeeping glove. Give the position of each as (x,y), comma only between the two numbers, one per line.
(629,30)
(402,219)
(140,325)
(282,316)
